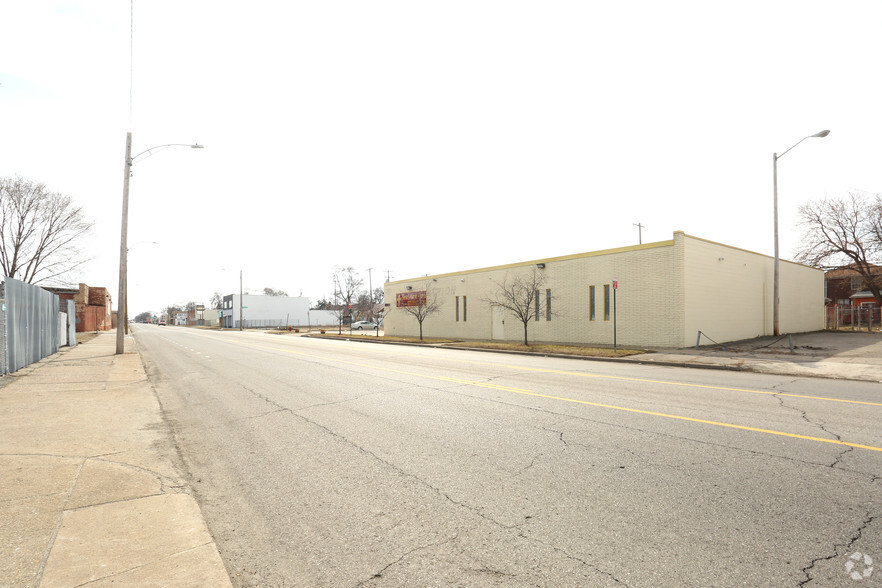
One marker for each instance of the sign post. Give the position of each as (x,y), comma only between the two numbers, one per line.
(615,334)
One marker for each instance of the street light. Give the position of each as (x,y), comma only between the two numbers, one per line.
(775,158)
(122,311)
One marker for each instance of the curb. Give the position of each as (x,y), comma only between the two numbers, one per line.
(745,367)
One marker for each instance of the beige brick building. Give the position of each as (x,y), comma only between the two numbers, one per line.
(667,292)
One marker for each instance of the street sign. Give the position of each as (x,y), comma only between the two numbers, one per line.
(615,328)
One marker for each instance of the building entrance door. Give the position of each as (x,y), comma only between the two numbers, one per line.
(497,330)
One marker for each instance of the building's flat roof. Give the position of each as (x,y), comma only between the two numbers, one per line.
(669,243)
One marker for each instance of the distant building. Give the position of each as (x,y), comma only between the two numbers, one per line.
(651,295)
(93,306)
(264,311)
(849,301)
(842,287)
(206,318)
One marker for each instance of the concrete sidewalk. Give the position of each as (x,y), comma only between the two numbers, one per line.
(89,492)
(824,354)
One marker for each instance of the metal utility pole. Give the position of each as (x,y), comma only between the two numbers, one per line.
(639,231)
(388,275)
(775,296)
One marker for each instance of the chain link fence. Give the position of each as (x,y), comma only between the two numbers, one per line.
(865,317)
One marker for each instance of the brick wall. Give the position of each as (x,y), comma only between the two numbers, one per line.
(649,301)
(729,293)
(668,291)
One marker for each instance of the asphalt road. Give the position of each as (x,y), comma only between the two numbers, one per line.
(335,463)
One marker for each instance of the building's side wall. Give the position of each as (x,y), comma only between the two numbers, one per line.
(649,302)
(209,317)
(278,308)
(802,298)
(266,310)
(729,291)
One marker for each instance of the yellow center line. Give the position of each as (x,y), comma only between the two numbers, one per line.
(660,382)
(682,384)
(526,392)
(647,381)
(703,421)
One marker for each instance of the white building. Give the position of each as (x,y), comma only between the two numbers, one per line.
(208,317)
(265,311)
(666,293)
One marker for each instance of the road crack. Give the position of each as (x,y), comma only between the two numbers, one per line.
(845,549)
(405,555)
(577,559)
(821,425)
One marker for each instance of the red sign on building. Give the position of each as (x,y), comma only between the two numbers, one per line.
(410,299)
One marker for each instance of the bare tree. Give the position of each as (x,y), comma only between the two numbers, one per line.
(217,301)
(39,232)
(419,304)
(347,285)
(840,232)
(364,307)
(367,303)
(523,296)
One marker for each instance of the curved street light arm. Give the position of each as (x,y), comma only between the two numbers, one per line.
(820,134)
(190,145)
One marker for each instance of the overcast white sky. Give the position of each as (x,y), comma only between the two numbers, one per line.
(427,137)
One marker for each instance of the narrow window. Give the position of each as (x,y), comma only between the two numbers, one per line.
(548,304)
(606,302)
(538,307)
(591,302)
(457,309)
(465,316)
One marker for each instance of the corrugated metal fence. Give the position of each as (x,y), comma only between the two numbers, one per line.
(30,324)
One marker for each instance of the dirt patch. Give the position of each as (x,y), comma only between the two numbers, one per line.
(85,337)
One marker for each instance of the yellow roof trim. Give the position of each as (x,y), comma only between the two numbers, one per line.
(546,260)
(782,260)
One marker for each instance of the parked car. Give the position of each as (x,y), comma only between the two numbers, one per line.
(360,325)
